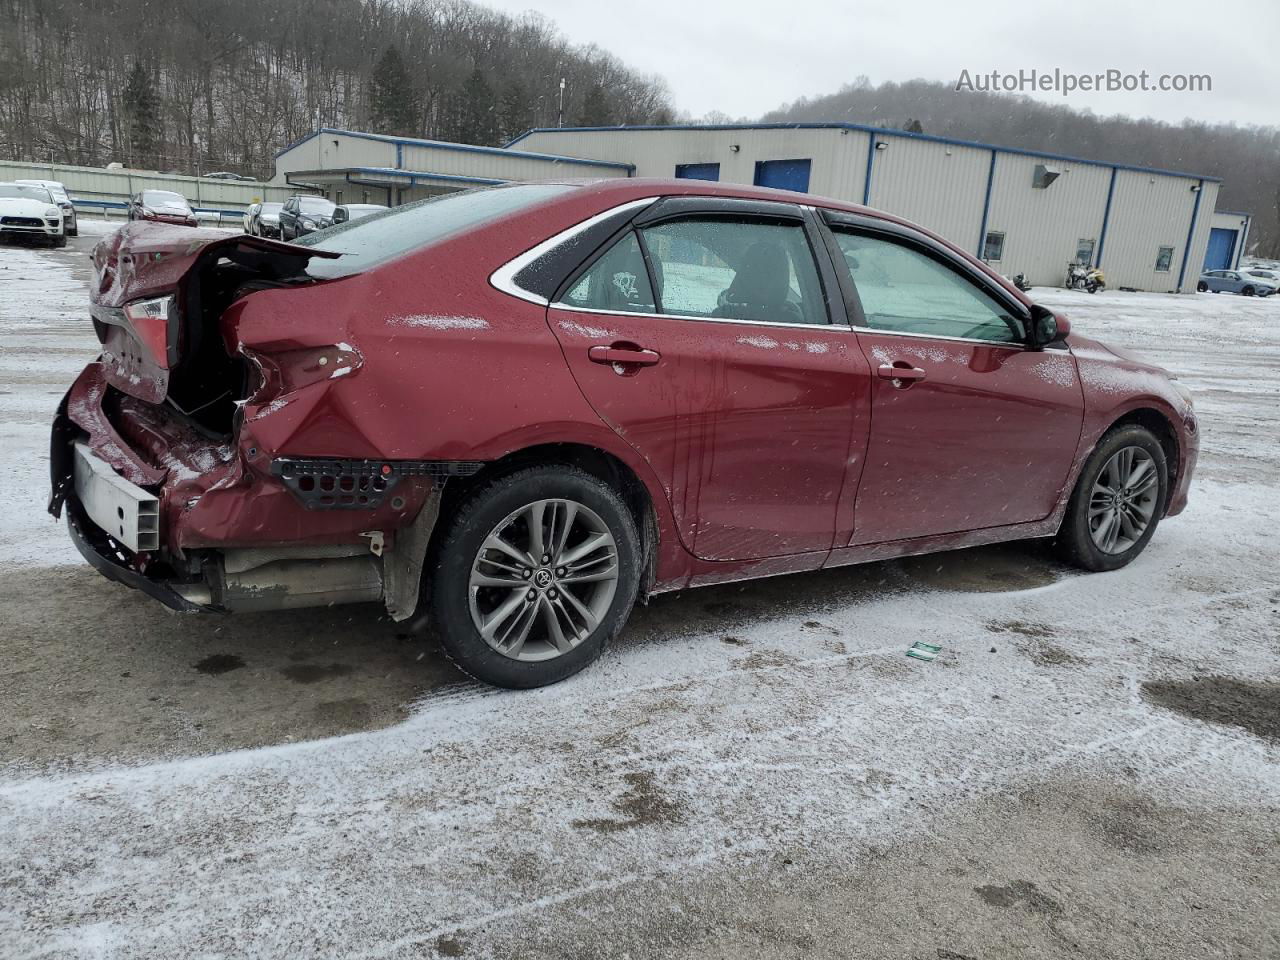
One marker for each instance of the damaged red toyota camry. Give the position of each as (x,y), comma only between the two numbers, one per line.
(519,410)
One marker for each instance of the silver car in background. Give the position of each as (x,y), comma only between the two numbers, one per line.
(1233,281)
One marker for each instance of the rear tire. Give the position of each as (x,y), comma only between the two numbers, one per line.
(1201,287)
(1248,291)
(1124,485)
(565,608)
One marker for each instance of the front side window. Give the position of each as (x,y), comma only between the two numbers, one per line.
(735,269)
(993,247)
(905,291)
(1164,259)
(617,281)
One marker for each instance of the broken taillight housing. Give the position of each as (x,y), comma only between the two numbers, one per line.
(149,320)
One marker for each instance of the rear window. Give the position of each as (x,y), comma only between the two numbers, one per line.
(163,196)
(388,234)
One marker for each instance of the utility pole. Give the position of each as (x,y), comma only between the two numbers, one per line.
(560,113)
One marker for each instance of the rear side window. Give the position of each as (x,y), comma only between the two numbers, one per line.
(905,291)
(735,269)
(369,241)
(617,281)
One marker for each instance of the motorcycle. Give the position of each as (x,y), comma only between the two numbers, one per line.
(1081,276)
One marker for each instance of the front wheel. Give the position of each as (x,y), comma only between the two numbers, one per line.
(536,574)
(1201,287)
(1118,501)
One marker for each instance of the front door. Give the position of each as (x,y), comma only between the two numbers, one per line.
(704,341)
(970,429)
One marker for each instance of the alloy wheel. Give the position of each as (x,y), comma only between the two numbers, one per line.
(1123,500)
(543,580)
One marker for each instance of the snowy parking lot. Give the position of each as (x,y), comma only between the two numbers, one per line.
(1090,768)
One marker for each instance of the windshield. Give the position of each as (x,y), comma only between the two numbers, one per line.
(315,205)
(162,197)
(388,234)
(56,190)
(21,191)
(271,208)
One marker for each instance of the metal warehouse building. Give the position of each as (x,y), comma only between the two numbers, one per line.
(356,167)
(1022,211)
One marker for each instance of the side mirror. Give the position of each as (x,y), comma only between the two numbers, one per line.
(1047,327)
(339,216)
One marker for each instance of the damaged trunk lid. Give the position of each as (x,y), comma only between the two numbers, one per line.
(158,294)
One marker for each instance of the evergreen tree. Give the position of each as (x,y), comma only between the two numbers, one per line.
(393,106)
(142,113)
(596,111)
(913,126)
(478,116)
(515,111)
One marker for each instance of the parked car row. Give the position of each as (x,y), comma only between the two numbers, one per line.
(29,210)
(301,215)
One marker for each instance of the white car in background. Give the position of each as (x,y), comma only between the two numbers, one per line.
(63,200)
(30,211)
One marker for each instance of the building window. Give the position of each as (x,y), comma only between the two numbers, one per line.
(698,171)
(1164,259)
(993,247)
(1084,252)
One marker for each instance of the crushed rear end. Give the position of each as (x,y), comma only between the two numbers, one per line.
(196,459)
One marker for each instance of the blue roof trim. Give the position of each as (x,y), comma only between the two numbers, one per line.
(414,175)
(878,131)
(402,142)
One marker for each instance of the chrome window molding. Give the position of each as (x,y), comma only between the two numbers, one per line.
(1012,344)
(504,277)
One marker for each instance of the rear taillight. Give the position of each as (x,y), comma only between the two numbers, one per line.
(149,320)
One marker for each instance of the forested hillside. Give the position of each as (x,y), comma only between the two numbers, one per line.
(192,85)
(1247,158)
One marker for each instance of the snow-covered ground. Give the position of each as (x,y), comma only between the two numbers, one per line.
(708,747)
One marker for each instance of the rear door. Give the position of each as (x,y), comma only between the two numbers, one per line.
(703,338)
(970,428)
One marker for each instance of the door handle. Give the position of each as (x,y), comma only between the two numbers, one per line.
(901,373)
(633,356)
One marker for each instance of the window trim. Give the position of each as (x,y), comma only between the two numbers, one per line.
(503,279)
(926,245)
(681,206)
(897,232)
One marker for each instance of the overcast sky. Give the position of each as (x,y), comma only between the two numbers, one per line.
(745,58)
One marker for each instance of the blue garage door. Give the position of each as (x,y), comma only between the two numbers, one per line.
(1222,246)
(698,171)
(783,174)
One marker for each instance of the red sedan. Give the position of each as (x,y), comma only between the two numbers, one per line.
(520,409)
(162,206)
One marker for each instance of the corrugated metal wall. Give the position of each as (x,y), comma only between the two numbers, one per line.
(943,186)
(332,150)
(1150,211)
(938,186)
(839,156)
(92,184)
(1042,226)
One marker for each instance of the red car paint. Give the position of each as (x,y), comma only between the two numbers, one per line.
(761,451)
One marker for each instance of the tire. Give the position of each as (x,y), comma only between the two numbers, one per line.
(1077,541)
(1202,287)
(1247,291)
(507,505)
(60,241)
